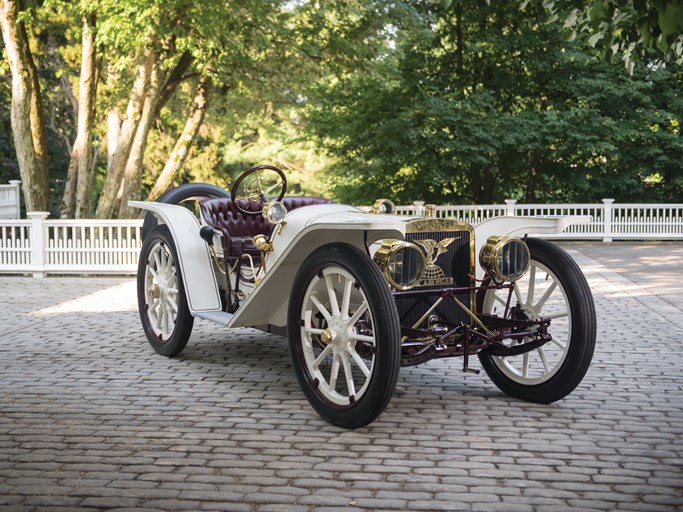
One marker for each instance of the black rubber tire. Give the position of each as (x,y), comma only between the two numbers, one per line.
(384,373)
(176,342)
(179,194)
(583,330)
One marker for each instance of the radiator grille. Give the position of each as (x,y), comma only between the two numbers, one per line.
(455,265)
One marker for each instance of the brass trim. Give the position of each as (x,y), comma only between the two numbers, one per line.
(427,225)
(384,253)
(266,212)
(262,244)
(384,206)
(488,257)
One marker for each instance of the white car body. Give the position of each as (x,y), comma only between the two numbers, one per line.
(305,230)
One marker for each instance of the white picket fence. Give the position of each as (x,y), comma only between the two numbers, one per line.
(10,197)
(40,246)
(83,246)
(609,222)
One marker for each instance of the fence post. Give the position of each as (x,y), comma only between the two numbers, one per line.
(511,206)
(607,219)
(419,208)
(37,242)
(17,197)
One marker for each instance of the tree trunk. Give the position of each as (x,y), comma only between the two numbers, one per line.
(76,200)
(27,115)
(184,143)
(175,78)
(113,134)
(68,205)
(134,166)
(107,203)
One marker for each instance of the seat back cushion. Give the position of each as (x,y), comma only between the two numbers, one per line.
(220,214)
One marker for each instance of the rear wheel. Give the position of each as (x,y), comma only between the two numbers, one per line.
(344,335)
(183,194)
(554,287)
(162,303)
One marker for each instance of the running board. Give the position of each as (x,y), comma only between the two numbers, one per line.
(219,317)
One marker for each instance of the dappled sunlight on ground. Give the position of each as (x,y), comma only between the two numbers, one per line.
(120,297)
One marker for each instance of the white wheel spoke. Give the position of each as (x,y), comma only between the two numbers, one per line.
(518,295)
(362,337)
(334,304)
(359,361)
(172,303)
(334,372)
(321,357)
(349,375)
(532,286)
(157,261)
(539,305)
(311,330)
(544,360)
(173,291)
(525,365)
(154,274)
(558,342)
(321,308)
(346,299)
(356,316)
(500,299)
(167,320)
(160,318)
(558,315)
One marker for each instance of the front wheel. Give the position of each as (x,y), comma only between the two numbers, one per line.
(554,287)
(165,316)
(344,335)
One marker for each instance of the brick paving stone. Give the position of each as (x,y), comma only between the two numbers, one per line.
(92,419)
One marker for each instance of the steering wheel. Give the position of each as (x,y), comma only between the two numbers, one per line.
(255,186)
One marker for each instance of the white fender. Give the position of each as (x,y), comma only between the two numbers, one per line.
(305,230)
(520,226)
(195,261)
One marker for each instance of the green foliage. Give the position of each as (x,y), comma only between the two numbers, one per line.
(443,101)
(632,29)
(484,102)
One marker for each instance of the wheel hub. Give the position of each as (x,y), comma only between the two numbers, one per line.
(327,336)
(338,331)
(154,291)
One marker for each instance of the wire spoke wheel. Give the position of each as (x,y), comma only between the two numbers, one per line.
(554,288)
(344,335)
(166,319)
(161,291)
(337,324)
(539,294)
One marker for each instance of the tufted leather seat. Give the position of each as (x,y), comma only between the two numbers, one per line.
(239,229)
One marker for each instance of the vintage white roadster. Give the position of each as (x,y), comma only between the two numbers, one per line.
(362,292)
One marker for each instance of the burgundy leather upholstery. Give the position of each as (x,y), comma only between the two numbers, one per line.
(239,229)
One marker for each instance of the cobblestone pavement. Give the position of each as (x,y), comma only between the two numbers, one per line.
(92,419)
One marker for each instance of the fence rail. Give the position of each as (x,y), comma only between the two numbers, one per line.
(609,221)
(83,246)
(39,245)
(10,197)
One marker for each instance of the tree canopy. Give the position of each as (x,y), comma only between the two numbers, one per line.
(447,101)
